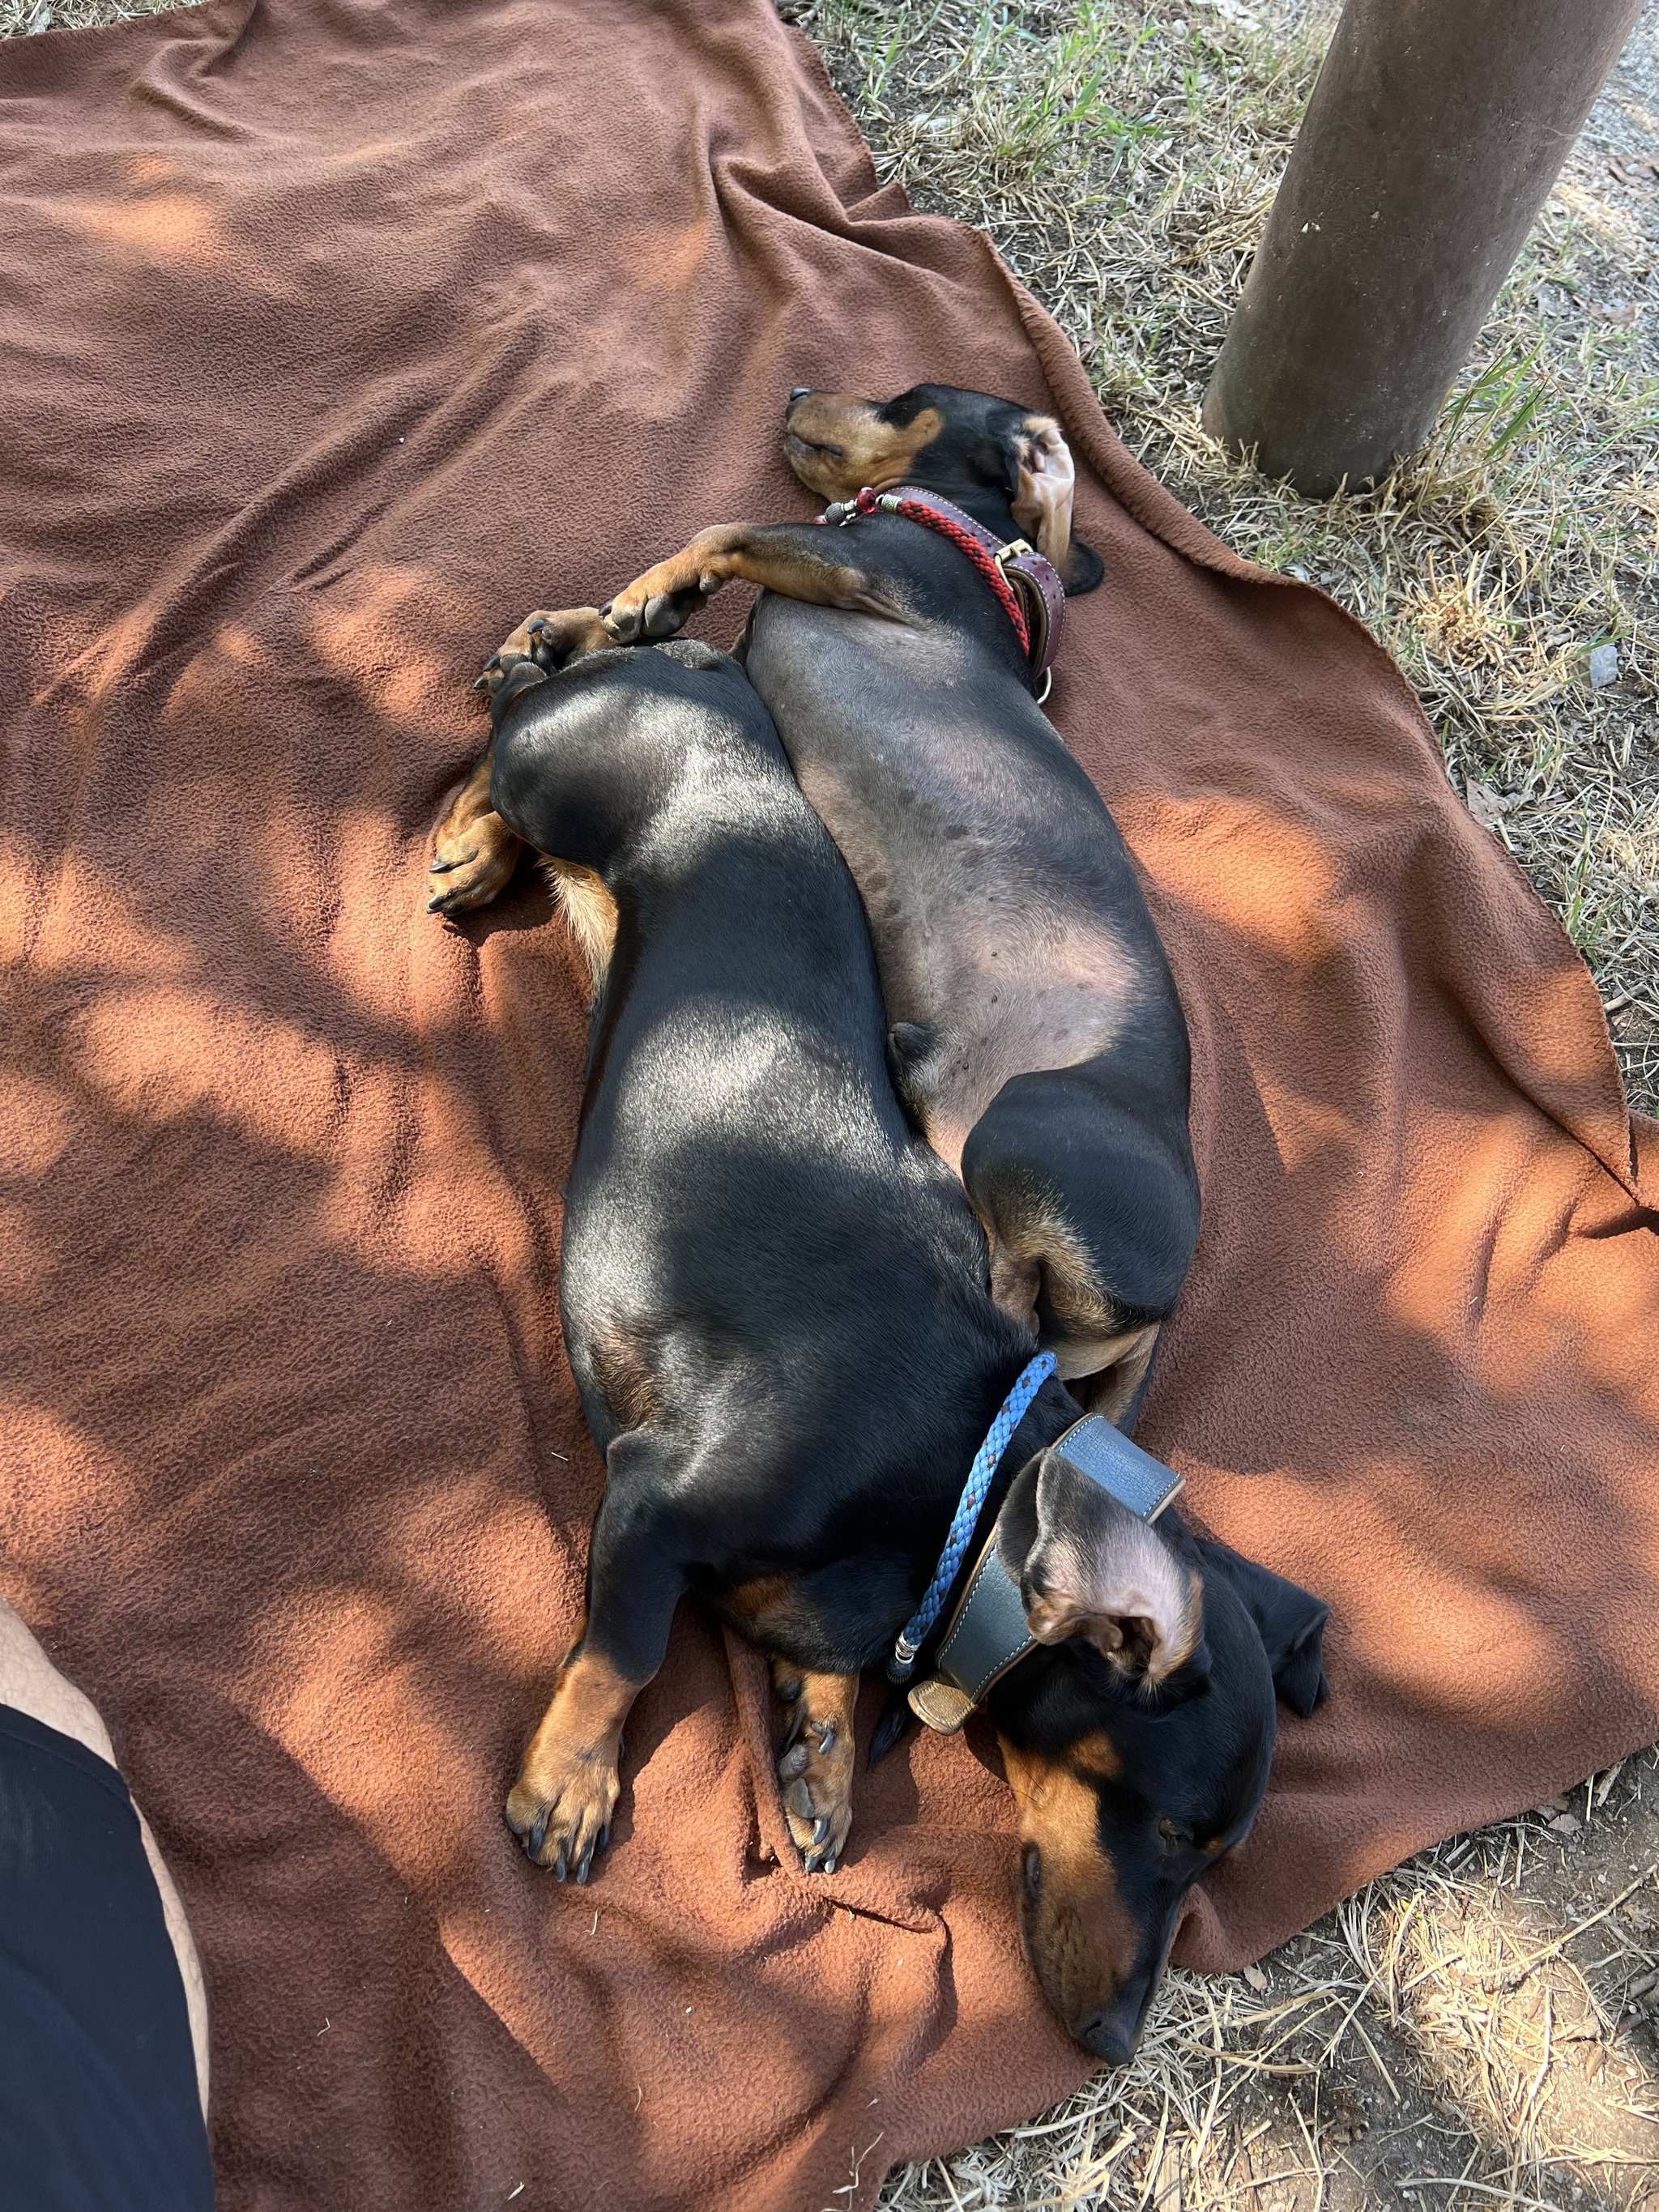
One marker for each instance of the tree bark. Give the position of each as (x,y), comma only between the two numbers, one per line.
(1433,138)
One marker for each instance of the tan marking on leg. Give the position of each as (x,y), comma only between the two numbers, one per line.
(752,1602)
(561,1803)
(622,1367)
(474,853)
(1121,1362)
(768,1610)
(658,603)
(1016,1279)
(547,636)
(1041,1254)
(589,911)
(814,1769)
(565,634)
(560,634)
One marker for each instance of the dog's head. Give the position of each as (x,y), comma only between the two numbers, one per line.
(955,443)
(1137,1738)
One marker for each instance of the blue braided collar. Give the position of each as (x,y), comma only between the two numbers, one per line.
(914,1635)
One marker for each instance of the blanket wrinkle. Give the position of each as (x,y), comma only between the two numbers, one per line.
(295,1480)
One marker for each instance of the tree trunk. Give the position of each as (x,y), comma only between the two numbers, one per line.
(1433,138)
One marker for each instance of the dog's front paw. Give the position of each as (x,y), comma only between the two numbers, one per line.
(658,602)
(815,1770)
(560,1807)
(535,638)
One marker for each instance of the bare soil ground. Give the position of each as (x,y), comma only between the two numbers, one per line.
(1479,2029)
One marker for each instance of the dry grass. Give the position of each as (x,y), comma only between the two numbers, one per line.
(19,18)
(1124,157)
(1474,2030)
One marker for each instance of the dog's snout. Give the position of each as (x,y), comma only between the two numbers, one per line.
(1111,2033)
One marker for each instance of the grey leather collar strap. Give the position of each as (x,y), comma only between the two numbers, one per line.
(987,1633)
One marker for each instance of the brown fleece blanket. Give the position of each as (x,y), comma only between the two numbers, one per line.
(335,336)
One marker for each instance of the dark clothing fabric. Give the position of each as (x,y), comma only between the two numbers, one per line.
(98,2104)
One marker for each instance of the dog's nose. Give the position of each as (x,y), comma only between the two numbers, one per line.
(799,392)
(1111,2033)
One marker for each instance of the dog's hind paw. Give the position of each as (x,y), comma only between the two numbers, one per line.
(815,1768)
(472,862)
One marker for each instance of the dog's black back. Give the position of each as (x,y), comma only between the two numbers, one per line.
(777,1307)
(769,1281)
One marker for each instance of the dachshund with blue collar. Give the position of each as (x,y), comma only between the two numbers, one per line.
(814,1414)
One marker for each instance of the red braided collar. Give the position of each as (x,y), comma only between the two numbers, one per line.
(1003,567)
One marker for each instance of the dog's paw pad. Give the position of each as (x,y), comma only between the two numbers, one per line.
(662,615)
(816,1771)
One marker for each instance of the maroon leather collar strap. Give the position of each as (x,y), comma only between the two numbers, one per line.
(1027,586)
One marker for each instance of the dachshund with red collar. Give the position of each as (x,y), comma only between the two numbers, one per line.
(1035,1031)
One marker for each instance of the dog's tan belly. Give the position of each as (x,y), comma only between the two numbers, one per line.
(1015,1010)
(968,941)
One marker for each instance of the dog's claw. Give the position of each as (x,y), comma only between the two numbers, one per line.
(820,1830)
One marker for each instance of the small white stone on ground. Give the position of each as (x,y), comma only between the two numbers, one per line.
(1604,666)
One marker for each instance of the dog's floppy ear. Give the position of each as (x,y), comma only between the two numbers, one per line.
(1044,479)
(1291,1623)
(1087,1566)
